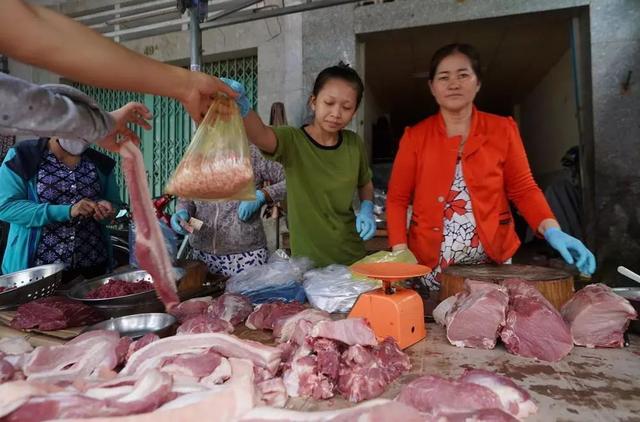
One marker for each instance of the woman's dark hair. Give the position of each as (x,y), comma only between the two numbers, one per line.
(341,71)
(450,49)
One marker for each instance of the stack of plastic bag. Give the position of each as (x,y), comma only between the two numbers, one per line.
(278,280)
(334,289)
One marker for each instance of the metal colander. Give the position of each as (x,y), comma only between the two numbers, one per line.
(27,285)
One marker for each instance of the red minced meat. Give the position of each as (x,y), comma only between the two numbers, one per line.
(115,288)
(54,313)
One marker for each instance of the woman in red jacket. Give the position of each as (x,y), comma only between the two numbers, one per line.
(459,169)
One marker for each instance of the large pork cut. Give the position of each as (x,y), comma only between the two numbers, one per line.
(150,356)
(284,328)
(204,324)
(264,317)
(598,317)
(230,307)
(477,315)
(82,357)
(151,250)
(191,308)
(350,331)
(476,395)
(513,398)
(54,313)
(534,328)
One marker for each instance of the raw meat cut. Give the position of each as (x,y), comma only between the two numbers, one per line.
(14,346)
(6,371)
(379,410)
(513,399)
(434,396)
(303,380)
(534,328)
(115,288)
(328,357)
(140,343)
(53,313)
(191,308)
(598,317)
(224,403)
(192,365)
(14,394)
(284,327)
(350,331)
(151,250)
(82,357)
(478,314)
(478,395)
(301,332)
(204,324)
(149,392)
(265,315)
(271,392)
(366,372)
(443,308)
(230,307)
(225,344)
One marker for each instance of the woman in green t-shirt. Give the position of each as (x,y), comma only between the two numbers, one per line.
(324,165)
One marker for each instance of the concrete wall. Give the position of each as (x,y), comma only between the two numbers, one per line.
(548,121)
(615,51)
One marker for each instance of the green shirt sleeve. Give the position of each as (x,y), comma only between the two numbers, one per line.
(364,172)
(285,136)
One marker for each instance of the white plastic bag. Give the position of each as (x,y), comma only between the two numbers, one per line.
(333,288)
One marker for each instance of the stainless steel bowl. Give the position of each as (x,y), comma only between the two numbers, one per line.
(80,290)
(135,326)
(30,284)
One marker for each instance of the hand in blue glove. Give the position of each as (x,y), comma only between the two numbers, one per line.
(179,216)
(242,100)
(571,249)
(247,208)
(366,221)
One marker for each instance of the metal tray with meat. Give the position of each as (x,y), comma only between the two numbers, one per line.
(82,291)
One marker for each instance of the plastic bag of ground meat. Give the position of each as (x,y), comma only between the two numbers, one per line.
(217,163)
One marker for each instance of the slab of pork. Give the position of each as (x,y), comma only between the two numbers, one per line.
(151,250)
(477,315)
(598,317)
(534,328)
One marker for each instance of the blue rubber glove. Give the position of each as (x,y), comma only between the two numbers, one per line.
(366,221)
(181,215)
(247,208)
(242,100)
(572,250)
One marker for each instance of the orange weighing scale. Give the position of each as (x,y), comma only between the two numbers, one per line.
(391,310)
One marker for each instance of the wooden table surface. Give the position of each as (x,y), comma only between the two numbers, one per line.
(587,385)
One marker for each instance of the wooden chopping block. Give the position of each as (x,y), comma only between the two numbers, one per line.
(193,280)
(554,284)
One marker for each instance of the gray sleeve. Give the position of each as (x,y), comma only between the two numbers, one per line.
(271,172)
(50,110)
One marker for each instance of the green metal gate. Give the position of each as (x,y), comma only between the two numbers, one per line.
(163,146)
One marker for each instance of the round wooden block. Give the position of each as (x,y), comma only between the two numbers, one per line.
(554,284)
